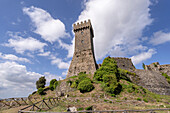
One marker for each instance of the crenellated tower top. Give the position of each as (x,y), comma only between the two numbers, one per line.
(79,26)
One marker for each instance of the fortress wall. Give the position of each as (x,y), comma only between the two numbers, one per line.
(153,81)
(124,63)
(165,69)
(159,68)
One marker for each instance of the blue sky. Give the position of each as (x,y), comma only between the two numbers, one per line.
(36,37)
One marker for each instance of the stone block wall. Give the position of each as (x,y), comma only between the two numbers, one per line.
(124,63)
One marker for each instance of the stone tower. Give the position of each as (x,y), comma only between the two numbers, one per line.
(83,59)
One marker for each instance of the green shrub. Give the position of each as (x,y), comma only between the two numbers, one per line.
(125,98)
(118,89)
(110,79)
(80,109)
(145,100)
(56,83)
(82,76)
(51,86)
(123,74)
(106,100)
(69,82)
(98,75)
(74,84)
(108,67)
(111,89)
(41,83)
(41,91)
(89,108)
(139,99)
(34,92)
(155,65)
(85,86)
(131,88)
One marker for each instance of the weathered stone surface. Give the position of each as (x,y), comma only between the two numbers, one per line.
(159,68)
(63,88)
(153,81)
(83,59)
(150,78)
(124,63)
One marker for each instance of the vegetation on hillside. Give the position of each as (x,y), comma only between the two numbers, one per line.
(109,87)
(82,82)
(40,84)
(53,84)
(109,74)
(167,77)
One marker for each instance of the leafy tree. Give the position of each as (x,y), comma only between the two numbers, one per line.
(41,82)
(51,86)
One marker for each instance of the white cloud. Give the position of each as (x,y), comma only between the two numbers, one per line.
(143,56)
(68,47)
(64,72)
(13,58)
(50,76)
(118,25)
(60,64)
(20,45)
(160,38)
(44,54)
(17,81)
(49,28)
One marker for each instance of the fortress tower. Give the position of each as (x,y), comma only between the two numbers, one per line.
(83,59)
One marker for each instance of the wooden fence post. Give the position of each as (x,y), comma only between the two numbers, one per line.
(46,104)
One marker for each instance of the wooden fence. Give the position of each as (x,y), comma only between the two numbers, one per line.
(40,106)
(110,111)
(13,102)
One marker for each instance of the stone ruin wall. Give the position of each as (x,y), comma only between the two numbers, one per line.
(160,68)
(150,78)
(124,63)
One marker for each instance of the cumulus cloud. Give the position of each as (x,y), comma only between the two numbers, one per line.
(16,80)
(44,54)
(143,56)
(20,44)
(50,76)
(60,64)
(49,28)
(13,58)
(118,25)
(160,38)
(68,47)
(64,72)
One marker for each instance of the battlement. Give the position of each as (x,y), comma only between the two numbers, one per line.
(82,25)
(122,58)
